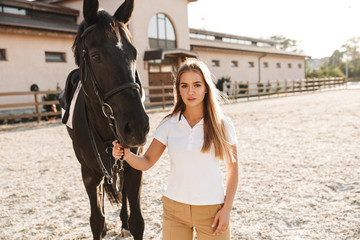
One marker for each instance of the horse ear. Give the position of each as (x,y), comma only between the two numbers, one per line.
(90,9)
(124,12)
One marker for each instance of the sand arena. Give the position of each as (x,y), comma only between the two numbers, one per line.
(299,175)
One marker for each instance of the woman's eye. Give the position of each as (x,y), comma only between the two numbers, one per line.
(197,85)
(183,86)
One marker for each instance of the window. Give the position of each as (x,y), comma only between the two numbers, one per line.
(289,65)
(265,64)
(54,57)
(234,64)
(299,65)
(161,32)
(154,68)
(12,10)
(215,63)
(2,55)
(278,65)
(251,64)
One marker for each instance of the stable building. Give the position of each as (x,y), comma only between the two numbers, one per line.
(36,45)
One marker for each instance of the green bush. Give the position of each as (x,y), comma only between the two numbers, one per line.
(325,72)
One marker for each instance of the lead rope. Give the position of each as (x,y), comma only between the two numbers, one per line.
(118,174)
(96,151)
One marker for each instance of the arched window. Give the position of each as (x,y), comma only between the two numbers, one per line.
(161,32)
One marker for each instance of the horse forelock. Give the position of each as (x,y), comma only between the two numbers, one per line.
(108,25)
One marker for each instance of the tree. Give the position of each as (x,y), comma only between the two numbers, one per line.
(285,43)
(352,55)
(335,66)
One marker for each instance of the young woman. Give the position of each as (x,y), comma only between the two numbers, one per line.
(198,136)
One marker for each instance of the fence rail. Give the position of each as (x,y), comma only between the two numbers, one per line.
(234,90)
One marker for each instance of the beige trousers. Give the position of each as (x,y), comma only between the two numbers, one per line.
(180,220)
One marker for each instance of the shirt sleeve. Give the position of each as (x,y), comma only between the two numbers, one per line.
(161,132)
(230,131)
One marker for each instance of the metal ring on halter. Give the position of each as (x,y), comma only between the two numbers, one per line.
(111,111)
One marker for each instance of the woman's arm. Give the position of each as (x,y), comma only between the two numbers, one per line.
(222,218)
(144,162)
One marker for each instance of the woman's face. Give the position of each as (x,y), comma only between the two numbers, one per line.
(192,88)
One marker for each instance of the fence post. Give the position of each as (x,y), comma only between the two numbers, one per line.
(37,108)
(163,94)
(248,90)
(236,91)
(293,86)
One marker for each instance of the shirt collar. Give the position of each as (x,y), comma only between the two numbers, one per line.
(179,118)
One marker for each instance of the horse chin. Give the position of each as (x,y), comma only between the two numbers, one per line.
(131,143)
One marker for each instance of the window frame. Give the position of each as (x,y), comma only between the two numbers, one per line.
(3,55)
(53,55)
(163,38)
(215,63)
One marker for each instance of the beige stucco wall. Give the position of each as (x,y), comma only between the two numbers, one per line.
(25,64)
(175,10)
(243,73)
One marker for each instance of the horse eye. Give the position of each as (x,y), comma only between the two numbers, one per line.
(95,57)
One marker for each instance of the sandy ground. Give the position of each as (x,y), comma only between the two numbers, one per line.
(299,158)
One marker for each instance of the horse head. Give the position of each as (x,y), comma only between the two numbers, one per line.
(107,61)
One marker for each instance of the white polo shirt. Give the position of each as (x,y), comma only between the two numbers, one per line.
(195,177)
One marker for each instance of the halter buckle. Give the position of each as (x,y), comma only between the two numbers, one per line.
(108,111)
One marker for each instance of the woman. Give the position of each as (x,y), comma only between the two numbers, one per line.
(197,136)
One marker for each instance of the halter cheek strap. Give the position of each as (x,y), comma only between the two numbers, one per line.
(106,109)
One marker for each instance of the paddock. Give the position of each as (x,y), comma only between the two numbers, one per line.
(299,174)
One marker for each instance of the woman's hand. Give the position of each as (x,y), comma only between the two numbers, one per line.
(119,151)
(221,221)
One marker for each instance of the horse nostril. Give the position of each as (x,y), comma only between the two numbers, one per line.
(128,129)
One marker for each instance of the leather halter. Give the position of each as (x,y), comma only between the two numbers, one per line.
(117,167)
(100,94)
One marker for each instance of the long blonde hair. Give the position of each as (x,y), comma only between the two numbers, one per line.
(214,128)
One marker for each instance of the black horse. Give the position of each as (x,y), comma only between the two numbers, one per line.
(108,108)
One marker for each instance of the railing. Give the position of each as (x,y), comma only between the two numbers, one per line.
(161,96)
(38,114)
(236,90)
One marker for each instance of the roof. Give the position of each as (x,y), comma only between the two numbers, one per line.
(12,21)
(217,41)
(40,6)
(232,36)
(161,53)
(41,16)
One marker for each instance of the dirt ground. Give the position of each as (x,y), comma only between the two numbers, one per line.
(299,175)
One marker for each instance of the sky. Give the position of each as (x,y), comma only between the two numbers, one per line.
(319,26)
